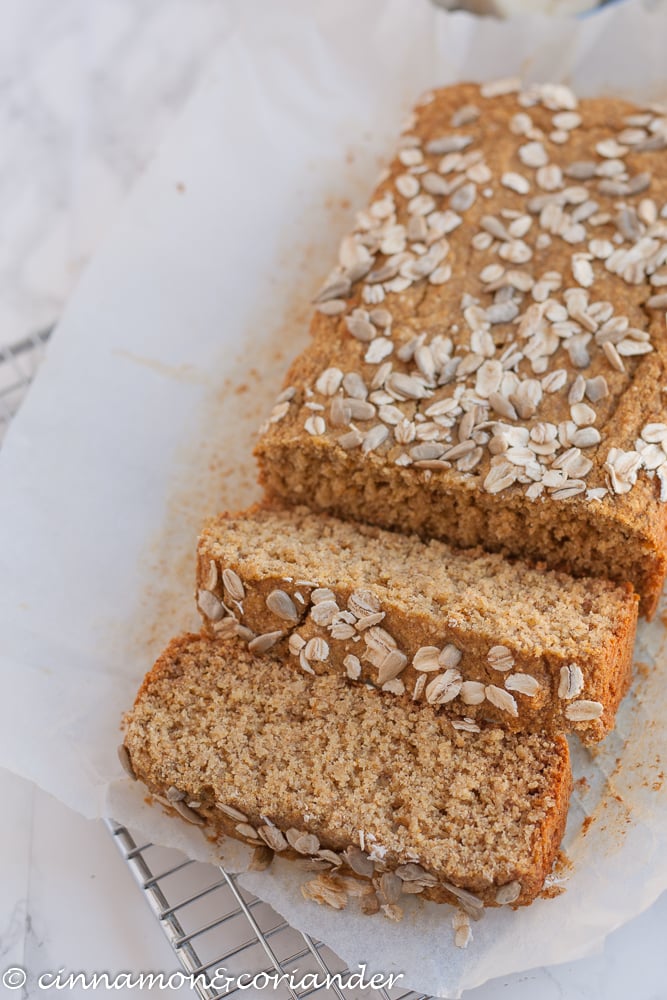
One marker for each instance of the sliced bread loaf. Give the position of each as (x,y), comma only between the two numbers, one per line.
(313,768)
(476,636)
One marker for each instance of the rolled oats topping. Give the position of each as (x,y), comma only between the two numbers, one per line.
(571,682)
(527,347)
(584,711)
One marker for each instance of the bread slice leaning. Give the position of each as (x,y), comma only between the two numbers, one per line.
(316,769)
(474,635)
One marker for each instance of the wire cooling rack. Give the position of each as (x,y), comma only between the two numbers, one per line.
(18,364)
(217,930)
(215,926)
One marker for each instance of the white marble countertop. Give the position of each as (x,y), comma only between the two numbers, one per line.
(87,91)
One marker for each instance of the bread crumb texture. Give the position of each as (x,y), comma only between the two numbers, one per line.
(475,635)
(361,785)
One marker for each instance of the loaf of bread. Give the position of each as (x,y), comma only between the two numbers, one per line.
(487,363)
(356,786)
(471,633)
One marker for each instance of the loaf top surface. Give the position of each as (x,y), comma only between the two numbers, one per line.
(497,316)
(226,726)
(536,609)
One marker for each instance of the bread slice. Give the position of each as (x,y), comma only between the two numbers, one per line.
(488,356)
(477,636)
(316,769)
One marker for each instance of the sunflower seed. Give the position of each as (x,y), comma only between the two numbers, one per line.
(515,182)
(232,812)
(262,643)
(272,836)
(282,605)
(583,711)
(508,893)
(376,436)
(126,761)
(188,814)
(335,307)
(426,659)
(226,627)
(501,699)
(175,794)
(210,606)
(450,656)
(448,144)
(406,386)
(523,683)
(212,578)
(533,154)
(391,666)
(360,328)
(338,288)
(613,357)
(472,904)
(464,197)
(350,440)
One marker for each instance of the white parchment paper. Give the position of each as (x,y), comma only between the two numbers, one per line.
(141,423)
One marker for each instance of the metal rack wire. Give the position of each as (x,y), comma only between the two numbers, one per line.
(210,922)
(213,924)
(18,365)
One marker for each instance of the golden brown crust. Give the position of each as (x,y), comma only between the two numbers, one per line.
(210,722)
(620,535)
(428,597)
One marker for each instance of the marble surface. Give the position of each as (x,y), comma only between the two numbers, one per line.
(87,90)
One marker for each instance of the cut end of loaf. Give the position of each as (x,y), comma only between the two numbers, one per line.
(477,636)
(379,784)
